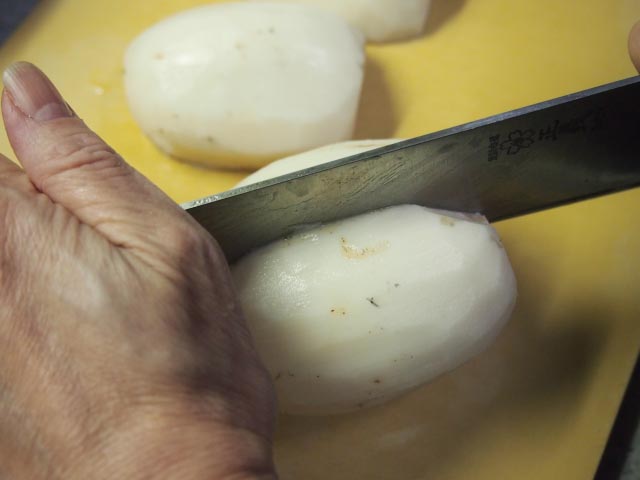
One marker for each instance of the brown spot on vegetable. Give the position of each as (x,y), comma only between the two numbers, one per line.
(271,30)
(159,56)
(448,221)
(278,376)
(339,311)
(354,252)
(396,285)
(175,115)
(360,405)
(373,302)
(377,380)
(210,139)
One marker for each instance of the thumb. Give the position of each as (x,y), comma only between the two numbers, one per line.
(74,167)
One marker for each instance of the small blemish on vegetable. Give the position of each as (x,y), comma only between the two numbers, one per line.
(377,380)
(175,115)
(161,131)
(271,30)
(159,56)
(317,376)
(396,285)
(372,301)
(360,405)
(290,374)
(355,252)
(339,311)
(448,221)
(210,139)
(240,46)
(278,376)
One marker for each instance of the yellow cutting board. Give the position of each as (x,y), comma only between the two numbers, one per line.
(540,402)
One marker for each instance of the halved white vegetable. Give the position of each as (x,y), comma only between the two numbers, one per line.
(314,157)
(379,20)
(238,85)
(355,312)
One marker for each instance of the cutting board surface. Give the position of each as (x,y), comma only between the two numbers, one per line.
(540,402)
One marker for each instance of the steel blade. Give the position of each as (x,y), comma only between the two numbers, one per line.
(545,155)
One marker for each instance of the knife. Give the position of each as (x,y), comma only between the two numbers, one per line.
(549,154)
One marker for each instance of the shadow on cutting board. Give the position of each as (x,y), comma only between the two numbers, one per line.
(536,369)
(376,115)
(441,12)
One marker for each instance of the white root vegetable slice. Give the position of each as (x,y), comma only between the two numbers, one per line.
(238,85)
(355,312)
(314,157)
(379,20)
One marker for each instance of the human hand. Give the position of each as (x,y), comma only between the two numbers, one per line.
(123,352)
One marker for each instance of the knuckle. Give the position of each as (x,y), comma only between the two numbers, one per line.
(79,151)
(184,239)
(81,145)
(191,249)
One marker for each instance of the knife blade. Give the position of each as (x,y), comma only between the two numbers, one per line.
(549,154)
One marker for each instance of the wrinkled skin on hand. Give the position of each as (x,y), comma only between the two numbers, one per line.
(123,352)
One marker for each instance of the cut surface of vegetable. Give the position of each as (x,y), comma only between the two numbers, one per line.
(314,157)
(240,84)
(355,312)
(379,20)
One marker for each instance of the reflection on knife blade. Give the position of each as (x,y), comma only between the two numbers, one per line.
(545,155)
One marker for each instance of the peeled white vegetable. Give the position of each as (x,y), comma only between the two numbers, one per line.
(314,157)
(240,84)
(379,20)
(355,312)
